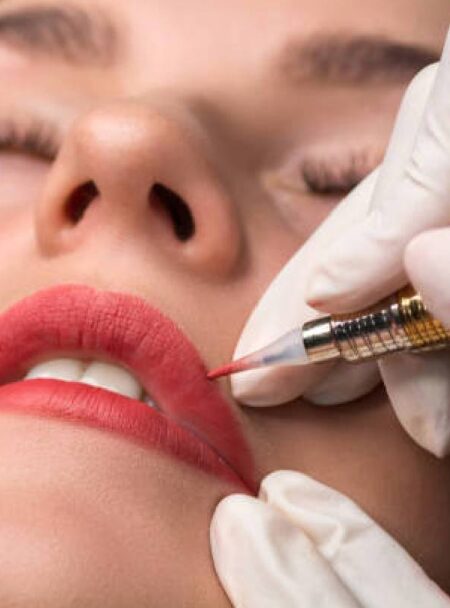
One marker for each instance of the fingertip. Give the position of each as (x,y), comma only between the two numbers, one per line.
(321,290)
(229,506)
(420,249)
(226,517)
(263,387)
(350,276)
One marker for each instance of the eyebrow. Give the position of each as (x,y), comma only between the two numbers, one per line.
(67,33)
(353,60)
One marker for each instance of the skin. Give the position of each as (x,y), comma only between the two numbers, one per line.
(89,518)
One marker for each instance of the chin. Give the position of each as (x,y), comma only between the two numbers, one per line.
(92,519)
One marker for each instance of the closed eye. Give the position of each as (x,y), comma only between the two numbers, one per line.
(33,139)
(337,177)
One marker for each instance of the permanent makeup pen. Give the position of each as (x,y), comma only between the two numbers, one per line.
(396,324)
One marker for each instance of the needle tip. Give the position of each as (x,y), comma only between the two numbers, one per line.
(225,370)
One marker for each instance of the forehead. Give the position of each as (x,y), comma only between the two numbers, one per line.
(245,36)
(230,41)
(259,21)
(245,30)
(233,17)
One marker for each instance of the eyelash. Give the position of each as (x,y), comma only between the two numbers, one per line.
(336,177)
(36,139)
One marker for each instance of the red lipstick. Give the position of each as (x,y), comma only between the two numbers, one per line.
(196,423)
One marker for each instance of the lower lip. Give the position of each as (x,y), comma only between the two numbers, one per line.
(98,408)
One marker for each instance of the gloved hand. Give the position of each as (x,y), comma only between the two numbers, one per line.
(392,229)
(304,545)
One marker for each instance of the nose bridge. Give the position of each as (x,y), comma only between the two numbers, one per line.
(145,169)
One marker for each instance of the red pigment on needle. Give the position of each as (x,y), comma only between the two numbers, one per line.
(226,370)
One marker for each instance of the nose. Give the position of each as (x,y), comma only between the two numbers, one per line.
(139,172)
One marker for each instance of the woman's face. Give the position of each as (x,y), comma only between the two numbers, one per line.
(182,152)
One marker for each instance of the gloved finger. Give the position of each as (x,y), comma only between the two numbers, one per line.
(263,560)
(412,195)
(343,385)
(419,385)
(427,259)
(283,307)
(371,564)
(422,407)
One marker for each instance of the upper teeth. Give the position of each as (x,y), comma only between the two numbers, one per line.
(95,373)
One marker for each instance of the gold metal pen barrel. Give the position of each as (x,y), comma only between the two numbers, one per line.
(398,323)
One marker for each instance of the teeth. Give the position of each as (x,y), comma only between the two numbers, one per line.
(59,369)
(95,373)
(113,378)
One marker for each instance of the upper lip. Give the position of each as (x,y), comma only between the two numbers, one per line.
(126,330)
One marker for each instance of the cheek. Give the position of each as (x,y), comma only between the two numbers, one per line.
(298,212)
(304,214)
(21,182)
(312,211)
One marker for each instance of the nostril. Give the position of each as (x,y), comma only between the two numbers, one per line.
(80,199)
(178,211)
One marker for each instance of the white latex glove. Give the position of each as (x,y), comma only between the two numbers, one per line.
(304,545)
(379,238)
